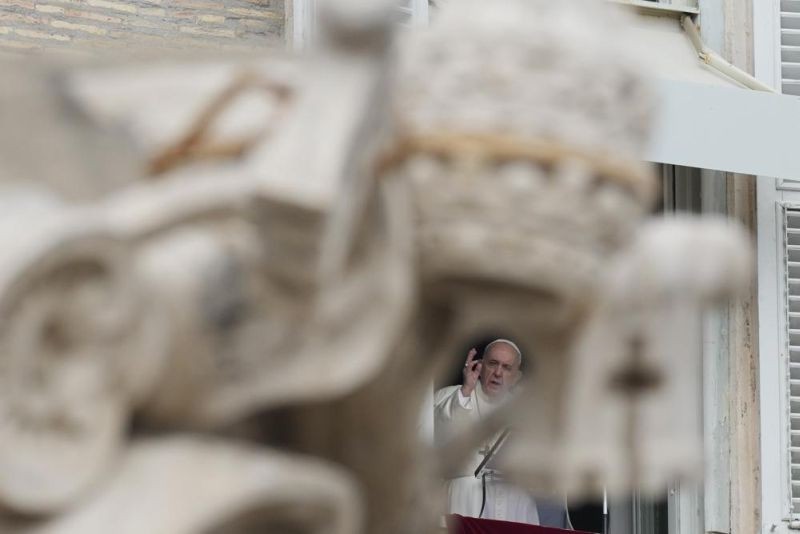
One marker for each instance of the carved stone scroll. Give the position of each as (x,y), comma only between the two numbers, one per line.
(191,485)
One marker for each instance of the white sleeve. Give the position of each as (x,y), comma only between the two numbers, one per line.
(465,402)
(450,414)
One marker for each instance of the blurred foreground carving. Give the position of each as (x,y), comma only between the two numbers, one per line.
(227,286)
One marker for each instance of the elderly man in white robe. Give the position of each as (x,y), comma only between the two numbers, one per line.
(487,384)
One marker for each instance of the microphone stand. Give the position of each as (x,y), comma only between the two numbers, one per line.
(479,472)
(492,451)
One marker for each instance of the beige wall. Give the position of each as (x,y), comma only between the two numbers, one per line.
(745,488)
(98,25)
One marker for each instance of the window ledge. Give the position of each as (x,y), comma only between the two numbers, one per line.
(656,8)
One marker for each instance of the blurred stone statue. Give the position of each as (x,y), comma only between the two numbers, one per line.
(228,285)
(523,147)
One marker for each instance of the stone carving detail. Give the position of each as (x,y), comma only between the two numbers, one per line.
(291,253)
(531,209)
(233,488)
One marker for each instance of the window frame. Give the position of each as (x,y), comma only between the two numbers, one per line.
(767,42)
(773,198)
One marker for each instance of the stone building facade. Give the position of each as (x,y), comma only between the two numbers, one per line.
(93,26)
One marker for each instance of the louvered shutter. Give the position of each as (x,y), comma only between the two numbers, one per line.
(792,310)
(790,46)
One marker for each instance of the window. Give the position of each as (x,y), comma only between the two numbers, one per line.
(779,347)
(791,313)
(680,509)
(790,47)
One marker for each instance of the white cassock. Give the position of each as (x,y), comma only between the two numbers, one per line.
(453,411)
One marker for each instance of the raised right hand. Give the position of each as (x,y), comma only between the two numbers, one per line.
(471,373)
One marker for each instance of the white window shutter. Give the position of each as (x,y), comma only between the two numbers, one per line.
(792,318)
(778,215)
(790,46)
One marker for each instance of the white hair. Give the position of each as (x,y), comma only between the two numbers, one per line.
(507,342)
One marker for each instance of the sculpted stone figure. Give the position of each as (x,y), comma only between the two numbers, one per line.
(522,147)
(294,248)
(186,484)
(200,298)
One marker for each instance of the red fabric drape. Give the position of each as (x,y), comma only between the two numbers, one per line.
(457,524)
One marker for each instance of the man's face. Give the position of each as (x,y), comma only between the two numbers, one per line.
(500,370)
